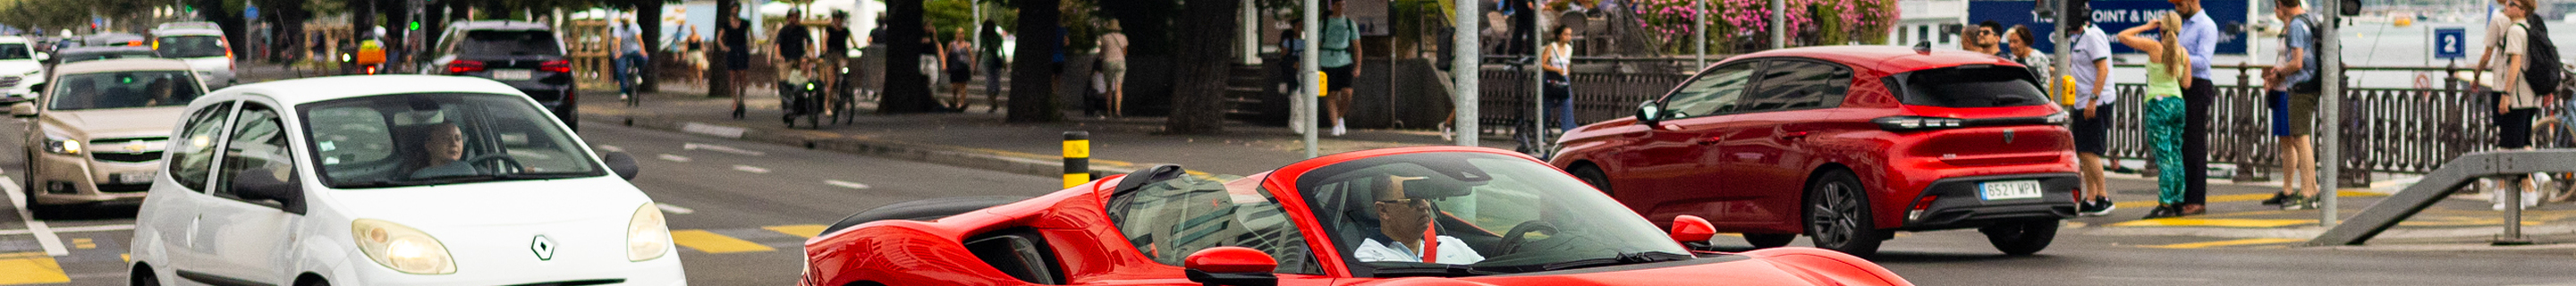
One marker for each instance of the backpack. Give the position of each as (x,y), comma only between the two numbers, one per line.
(2316,37)
(2541,69)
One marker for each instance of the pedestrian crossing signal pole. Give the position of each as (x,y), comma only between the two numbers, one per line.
(1077,158)
(1307,66)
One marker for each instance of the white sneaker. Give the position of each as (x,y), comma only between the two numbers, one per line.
(1338,130)
(1444,133)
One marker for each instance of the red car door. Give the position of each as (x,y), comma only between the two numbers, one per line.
(1672,162)
(1763,156)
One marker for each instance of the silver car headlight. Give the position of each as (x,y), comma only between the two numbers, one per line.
(647,237)
(402,248)
(60,145)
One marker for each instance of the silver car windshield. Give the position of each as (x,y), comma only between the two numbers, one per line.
(126,89)
(440,138)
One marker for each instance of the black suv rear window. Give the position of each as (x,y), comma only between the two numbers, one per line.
(522,42)
(1970,86)
(190,46)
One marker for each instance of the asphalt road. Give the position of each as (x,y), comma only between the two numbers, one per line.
(740,210)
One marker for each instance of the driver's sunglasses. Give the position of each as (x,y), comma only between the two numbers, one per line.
(1408,202)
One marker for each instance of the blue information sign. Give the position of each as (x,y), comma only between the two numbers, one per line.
(2450,43)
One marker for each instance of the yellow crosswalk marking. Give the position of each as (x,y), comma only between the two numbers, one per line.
(2216,222)
(801,230)
(2249,241)
(30,268)
(83,243)
(711,242)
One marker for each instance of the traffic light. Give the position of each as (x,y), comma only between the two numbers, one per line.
(2349,7)
(415,25)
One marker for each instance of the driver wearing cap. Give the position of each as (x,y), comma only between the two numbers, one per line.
(1404,221)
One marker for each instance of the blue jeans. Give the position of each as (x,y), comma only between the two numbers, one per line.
(1563,111)
(625,82)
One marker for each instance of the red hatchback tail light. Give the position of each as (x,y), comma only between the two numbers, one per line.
(464,66)
(561,66)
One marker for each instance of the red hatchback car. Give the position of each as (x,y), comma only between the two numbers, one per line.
(1845,144)
(1402,216)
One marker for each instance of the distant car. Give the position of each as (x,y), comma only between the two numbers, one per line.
(1476,216)
(204,48)
(82,54)
(21,67)
(96,132)
(188,25)
(1845,144)
(392,180)
(113,40)
(527,56)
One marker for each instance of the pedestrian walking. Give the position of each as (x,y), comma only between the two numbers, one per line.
(2037,62)
(2092,74)
(1113,65)
(736,43)
(1340,42)
(991,57)
(960,66)
(2200,39)
(2294,107)
(630,55)
(1990,40)
(1555,60)
(2168,59)
(1292,50)
(2521,100)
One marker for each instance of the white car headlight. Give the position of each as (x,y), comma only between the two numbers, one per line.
(402,248)
(59,145)
(647,237)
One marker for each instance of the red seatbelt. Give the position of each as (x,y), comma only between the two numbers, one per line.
(1431,244)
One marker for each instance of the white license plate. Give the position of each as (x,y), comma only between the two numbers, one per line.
(510,74)
(132,177)
(2007,190)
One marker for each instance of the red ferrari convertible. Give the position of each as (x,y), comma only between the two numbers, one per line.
(1401,216)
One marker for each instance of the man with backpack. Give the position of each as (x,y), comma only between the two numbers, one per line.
(2524,79)
(2293,86)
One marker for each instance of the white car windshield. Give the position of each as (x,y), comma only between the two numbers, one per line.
(442,138)
(126,89)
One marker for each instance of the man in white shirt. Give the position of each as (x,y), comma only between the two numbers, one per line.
(1402,223)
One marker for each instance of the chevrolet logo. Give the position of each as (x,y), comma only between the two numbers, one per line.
(135,147)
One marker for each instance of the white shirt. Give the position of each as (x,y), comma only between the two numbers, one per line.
(1452,251)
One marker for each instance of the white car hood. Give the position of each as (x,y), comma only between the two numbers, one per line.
(501,203)
(19,67)
(210,64)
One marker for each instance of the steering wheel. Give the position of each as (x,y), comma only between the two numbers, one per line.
(1512,239)
(501,157)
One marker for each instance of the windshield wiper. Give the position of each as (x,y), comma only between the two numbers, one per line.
(1622,258)
(1427,269)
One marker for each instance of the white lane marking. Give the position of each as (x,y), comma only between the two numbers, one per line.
(674,158)
(2152,278)
(728,132)
(611,148)
(750,169)
(44,235)
(70,229)
(720,148)
(668,208)
(846,184)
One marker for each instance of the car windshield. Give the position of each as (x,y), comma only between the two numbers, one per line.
(1976,86)
(439,138)
(15,52)
(1490,213)
(509,42)
(189,46)
(125,89)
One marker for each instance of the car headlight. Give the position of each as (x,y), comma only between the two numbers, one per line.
(647,237)
(402,248)
(59,145)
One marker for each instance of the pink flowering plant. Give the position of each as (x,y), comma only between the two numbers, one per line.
(1744,25)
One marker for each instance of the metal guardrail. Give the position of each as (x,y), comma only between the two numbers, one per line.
(2439,183)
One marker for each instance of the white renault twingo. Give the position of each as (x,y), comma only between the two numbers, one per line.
(392,180)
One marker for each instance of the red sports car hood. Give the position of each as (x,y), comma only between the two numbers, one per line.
(1777,266)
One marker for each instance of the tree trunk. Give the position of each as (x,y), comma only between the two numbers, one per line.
(720,79)
(906,89)
(648,15)
(229,19)
(1034,66)
(1198,89)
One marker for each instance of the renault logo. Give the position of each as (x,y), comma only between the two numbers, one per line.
(545,248)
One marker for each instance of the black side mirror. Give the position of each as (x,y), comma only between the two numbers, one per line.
(262,183)
(622,164)
(1649,114)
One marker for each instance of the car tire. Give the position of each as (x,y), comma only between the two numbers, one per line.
(1769,240)
(1838,215)
(1593,176)
(2021,237)
(927,209)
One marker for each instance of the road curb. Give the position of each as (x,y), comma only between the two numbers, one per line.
(819,140)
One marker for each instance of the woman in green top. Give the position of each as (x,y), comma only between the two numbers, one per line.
(2166,58)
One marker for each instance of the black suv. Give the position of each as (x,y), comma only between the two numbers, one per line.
(524,55)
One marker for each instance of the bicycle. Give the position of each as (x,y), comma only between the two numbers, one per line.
(634,75)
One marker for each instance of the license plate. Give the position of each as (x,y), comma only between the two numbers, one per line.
(132,177)
(2007,190)
(510,74)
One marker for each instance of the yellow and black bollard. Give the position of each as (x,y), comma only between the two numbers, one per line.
(1077,158)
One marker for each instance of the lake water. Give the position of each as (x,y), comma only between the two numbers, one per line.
(2376,45)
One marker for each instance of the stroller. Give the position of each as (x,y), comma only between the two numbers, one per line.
(800,94)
